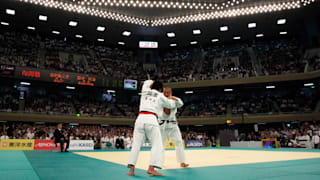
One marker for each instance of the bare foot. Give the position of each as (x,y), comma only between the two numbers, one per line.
(184,165)
(154,173)
(131,172)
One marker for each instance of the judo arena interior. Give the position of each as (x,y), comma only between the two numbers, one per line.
(205,163)
(210,89)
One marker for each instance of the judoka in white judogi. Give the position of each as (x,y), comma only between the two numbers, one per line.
(170,130)
(152,103)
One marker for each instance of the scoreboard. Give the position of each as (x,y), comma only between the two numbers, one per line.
(60,77)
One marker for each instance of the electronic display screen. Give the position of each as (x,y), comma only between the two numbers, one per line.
(107,97)
(130,84)
(148,44)
(7,70)
(269,143)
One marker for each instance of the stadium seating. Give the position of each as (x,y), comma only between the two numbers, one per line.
(207,63)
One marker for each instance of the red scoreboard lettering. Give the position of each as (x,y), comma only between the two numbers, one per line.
(33,74)
(82,80)
(59,78)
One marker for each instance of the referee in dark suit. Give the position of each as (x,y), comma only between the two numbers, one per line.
(59,137)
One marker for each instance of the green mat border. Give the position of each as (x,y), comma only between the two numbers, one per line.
(213,148)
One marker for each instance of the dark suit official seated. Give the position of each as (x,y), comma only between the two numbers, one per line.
(61,137)
(119,143)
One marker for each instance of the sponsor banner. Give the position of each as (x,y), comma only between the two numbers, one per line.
(169,144)
(40,144)
(146,145)
(81,145)
(245,144)
(17,144)
(193,143)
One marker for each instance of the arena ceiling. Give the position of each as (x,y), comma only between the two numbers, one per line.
(153,23)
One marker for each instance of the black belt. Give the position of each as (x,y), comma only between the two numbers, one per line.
(168,121)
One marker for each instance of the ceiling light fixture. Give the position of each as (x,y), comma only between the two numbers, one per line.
(31,28)
(79,36)
(281,21)
(73,23)
(196,31)
(70,87)
(84,7)
(283,32)
(224,28)
(10,11)
(5,23)
(228,90)
(252,25)
(126,33)
(308,84)
(101,28)
(25,83)
(161,4)
(235,12)
(171,34)
(55,32)
(43,18)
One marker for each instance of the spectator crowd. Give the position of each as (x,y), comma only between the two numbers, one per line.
(304,135)
(190,64)
(104,137)
(288,135)
(206,104)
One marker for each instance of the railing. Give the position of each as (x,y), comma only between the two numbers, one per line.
(38,117)
(102,116)
(250,80)
(60,114)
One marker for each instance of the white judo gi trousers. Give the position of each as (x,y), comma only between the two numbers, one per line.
(171,131)
(146,128)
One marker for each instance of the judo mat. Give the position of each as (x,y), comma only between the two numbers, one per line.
(205,163)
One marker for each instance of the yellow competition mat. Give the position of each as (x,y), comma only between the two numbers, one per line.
(203,158)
